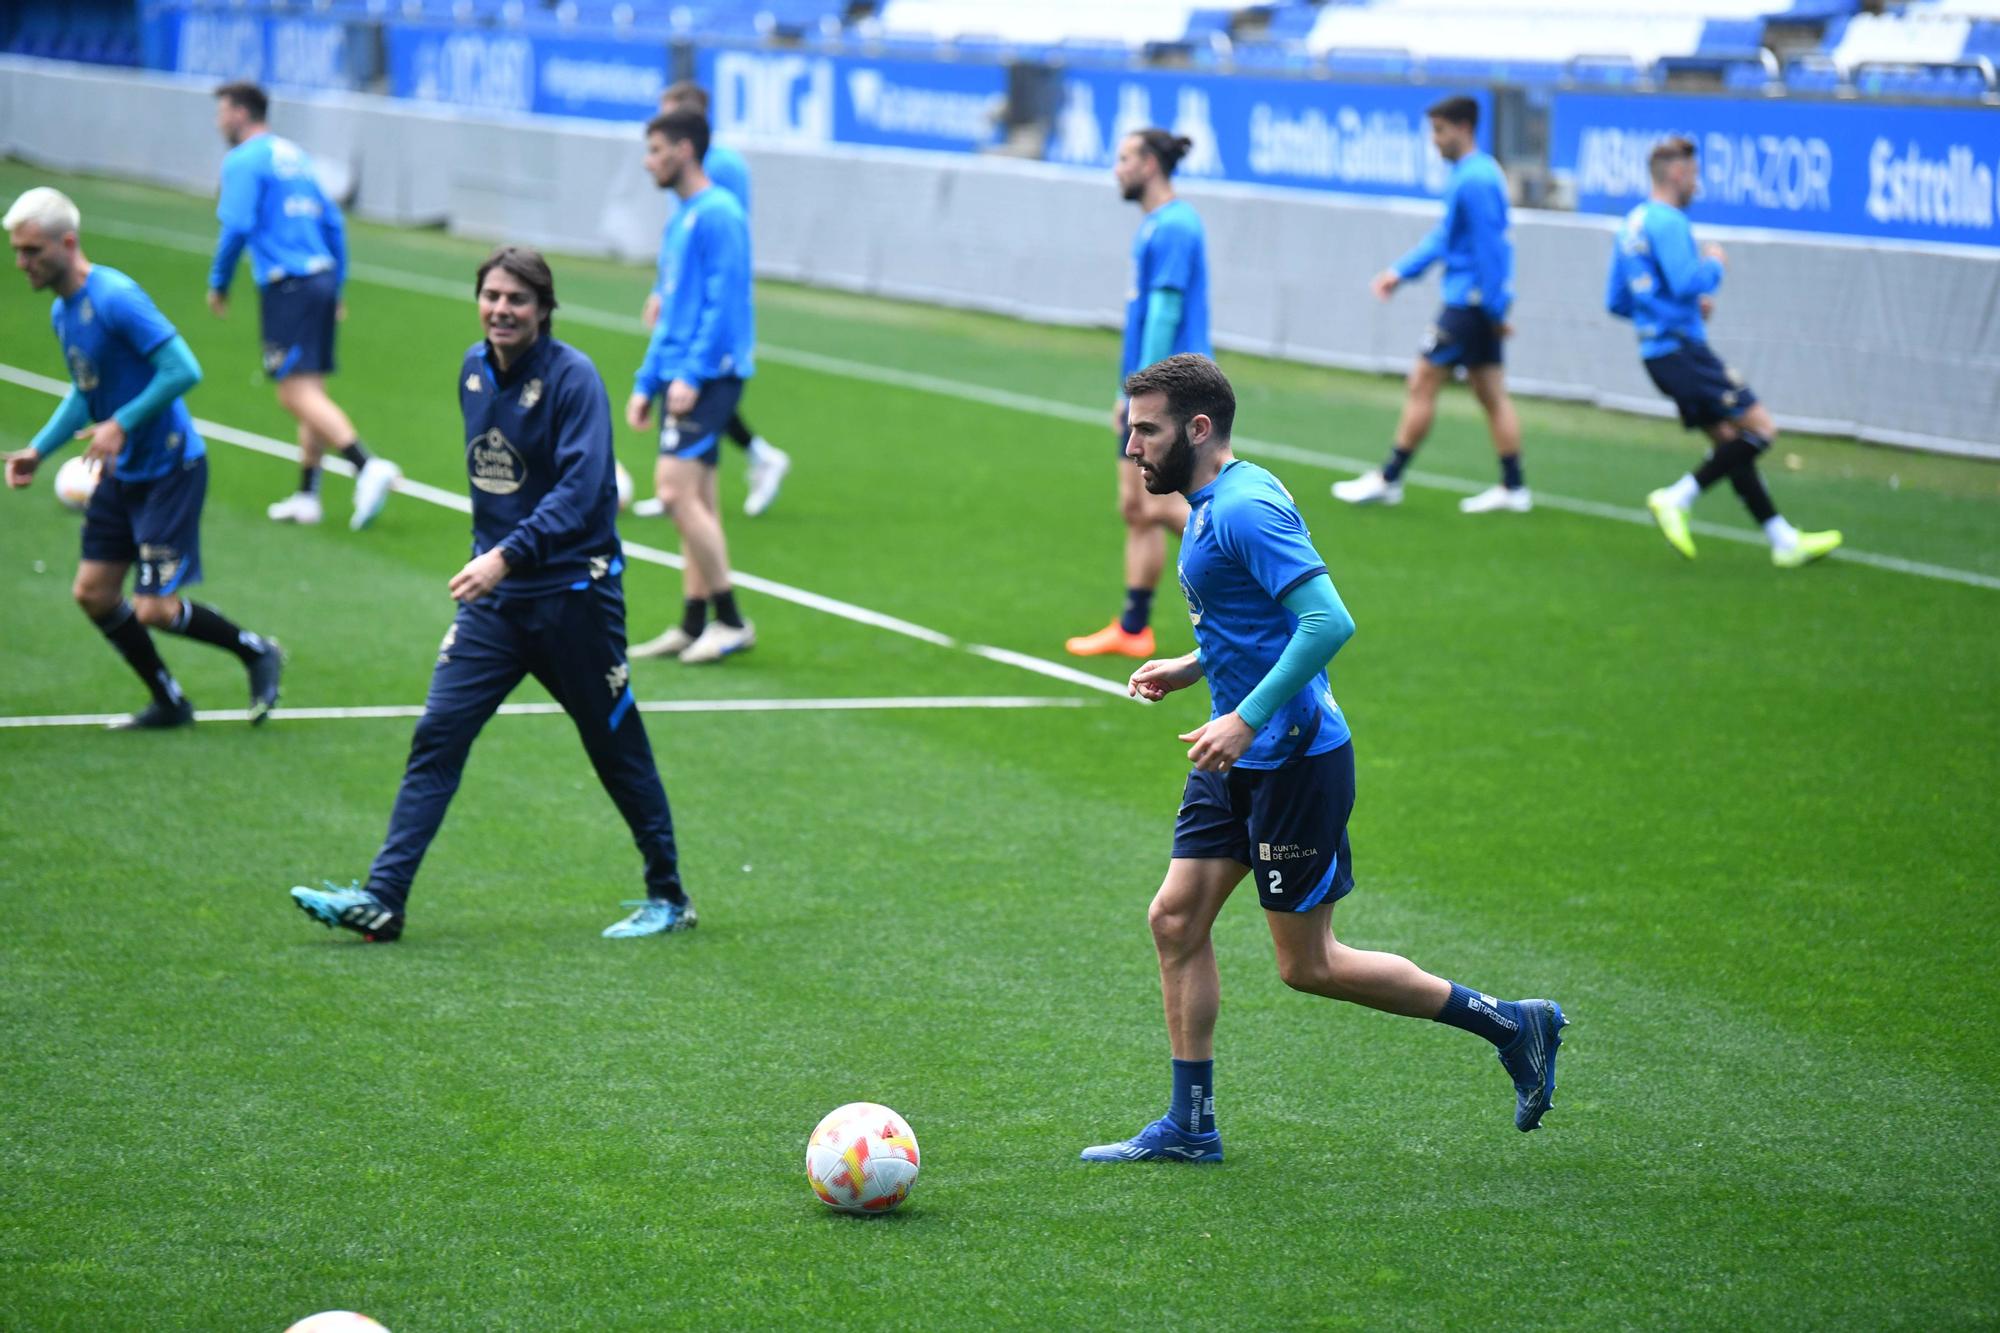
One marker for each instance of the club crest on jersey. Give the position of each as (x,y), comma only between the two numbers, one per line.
(86,312)
(494,465)
(1200,520)
(1193,598)
(531,395)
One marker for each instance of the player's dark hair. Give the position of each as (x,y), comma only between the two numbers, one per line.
(1194,386)
(1166,147)
(1455,111)
(685,94)
(682,126)
(248,96)
(1672,149)
(527,265)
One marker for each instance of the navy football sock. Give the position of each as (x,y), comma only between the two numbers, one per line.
(207,625)
(1193,1109)
(1399,458)
(694,616)
(1510,472)
(309,479)
(357,454)
(135,645)
(725,608)
(1138,610)
(1499,1021)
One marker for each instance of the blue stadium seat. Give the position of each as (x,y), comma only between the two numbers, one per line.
(1372,64)
(1812,76)
(1730,37)
(1605,71)
(1745,76)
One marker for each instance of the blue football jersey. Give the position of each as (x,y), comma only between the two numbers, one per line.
(1658,278)
(1170,252)
(1245,549)
(272,202)
(707,330)
(108,328)
(1472,239)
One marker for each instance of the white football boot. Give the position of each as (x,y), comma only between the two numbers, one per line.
(719,641)
(299,507)
(1498,500)
(1370,488)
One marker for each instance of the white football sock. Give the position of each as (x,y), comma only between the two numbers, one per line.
(1685,491)
(1781,534)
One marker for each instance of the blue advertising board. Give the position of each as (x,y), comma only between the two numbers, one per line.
(1917,173)
(801,98)
(283,51)
(1303,133)
(527,70)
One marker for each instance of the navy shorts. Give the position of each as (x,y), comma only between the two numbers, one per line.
(1706,391)
(298,317)
(698,435)
(1289,825)
(155,524)
(1463,336)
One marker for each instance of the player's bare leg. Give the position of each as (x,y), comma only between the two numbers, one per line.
(1489,386)
(1425,381)
(1148,519)
(690,493)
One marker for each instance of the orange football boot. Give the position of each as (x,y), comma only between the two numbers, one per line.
(1112,641)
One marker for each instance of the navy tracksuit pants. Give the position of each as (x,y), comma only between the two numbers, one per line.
(573,642)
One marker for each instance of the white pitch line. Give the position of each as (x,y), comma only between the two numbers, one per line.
(264,444)
(374,711)
(422,285)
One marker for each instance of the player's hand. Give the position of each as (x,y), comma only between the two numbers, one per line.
(1384,284)
(1157,679)
(649,313)
(218,304)
(480,576)
(106,438)
(1503,328)
(1715,252)
(1707,304)
(340,312)
(21,465)
(638,411)
(681,398)
(1217,745)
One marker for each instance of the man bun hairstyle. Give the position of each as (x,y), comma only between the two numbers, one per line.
(248,96)
(1194,386)
(1674,148)
(1166,147)
(682,126)
(526,264)
(1455,111)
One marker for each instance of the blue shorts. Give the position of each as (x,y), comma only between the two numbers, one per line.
(1706,391)
(1463,336)
(298,317)
(1289,825)
(698,435)
(155,524)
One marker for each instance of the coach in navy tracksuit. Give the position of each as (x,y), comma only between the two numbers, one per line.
(541,596)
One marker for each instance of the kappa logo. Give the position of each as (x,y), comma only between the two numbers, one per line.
(600,565)
(494,465)
(472,383)
(444,648)
(617,677)
(531,395)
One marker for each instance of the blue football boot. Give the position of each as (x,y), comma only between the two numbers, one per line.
(352,908)
(1161,1141)
(1530,1060)
(655,916)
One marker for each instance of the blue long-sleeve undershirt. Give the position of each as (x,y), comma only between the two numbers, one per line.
(1324,628)
(72,414)
(175,371)
(1164,306)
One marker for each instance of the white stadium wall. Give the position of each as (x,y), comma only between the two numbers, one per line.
(1894,345)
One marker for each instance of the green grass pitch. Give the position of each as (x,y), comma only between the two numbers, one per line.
(1743,823)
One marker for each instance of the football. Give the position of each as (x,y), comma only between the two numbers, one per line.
(862,1158)
(337,1321)
(75,480)
(624,486)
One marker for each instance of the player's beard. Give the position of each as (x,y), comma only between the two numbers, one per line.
(1133,193)
(1172,473)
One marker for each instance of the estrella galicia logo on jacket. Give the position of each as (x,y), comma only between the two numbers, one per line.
(494,465)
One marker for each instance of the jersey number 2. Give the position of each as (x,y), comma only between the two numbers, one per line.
(1277,881)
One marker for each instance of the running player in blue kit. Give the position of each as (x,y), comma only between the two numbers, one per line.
(1273,779)
(271,204)
(541,596)
(128,369)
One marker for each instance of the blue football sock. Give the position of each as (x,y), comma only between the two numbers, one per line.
(1399,458)
(1510,472)
(1194,1096)
(1499,1021)
(1138,610)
